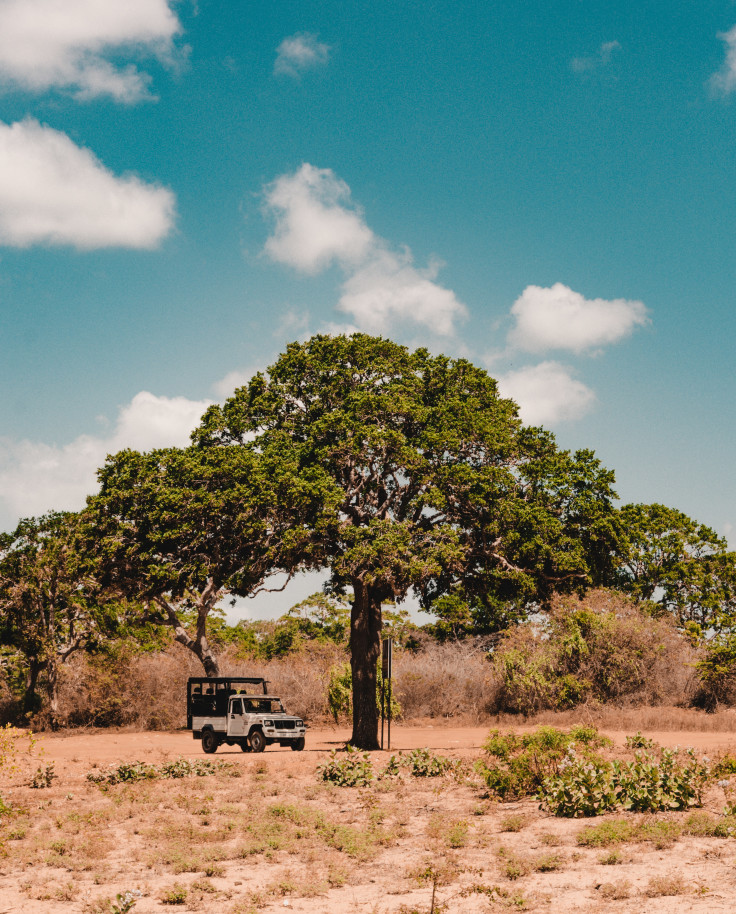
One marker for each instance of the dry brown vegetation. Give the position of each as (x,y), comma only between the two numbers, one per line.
(263,833)
(599,658)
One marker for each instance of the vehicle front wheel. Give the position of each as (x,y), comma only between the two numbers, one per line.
(209,742)
(257,741)
(298,744)
(245,746)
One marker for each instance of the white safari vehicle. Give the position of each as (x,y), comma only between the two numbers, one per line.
(225,710)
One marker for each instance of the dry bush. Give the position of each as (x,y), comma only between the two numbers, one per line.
(148,691)
(599,655)
(601,647)
(446,680)
(142,690)
(299,679)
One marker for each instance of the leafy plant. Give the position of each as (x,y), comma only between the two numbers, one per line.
(125,772)
(354,769)
(10,741)
(43,776)
(340,693)
(421,763)
(638,741)
(581,787)
(589,787)
(124,902)
(518,765)
(177,894)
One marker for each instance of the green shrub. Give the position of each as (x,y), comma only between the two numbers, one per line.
(581,787)
(43,776)
(126,772)
(725,766)
(124,902)
(638,741)
(602,647)
(648,784)
(588,786)
(354,769)
(340,693)
(177,894)
(518,765)
(420,763)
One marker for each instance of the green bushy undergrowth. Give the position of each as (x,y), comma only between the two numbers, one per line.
(420,763)
(566,771)
(355,769)
(517,765)
(139,771)
(649,783)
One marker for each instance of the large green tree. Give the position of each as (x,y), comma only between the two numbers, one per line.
(180,529)
(51,604)
(439,484)
(680,565)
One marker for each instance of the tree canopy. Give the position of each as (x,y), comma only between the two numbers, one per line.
(51,603)
(179,529)
(680,565)
(434,484)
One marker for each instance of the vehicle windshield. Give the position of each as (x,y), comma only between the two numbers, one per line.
(263,706)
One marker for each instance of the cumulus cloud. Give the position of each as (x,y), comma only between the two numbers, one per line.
(724,81)
(300,52)
(318,225)
(547,393)
(600,59)
(36,477)
(389,288)
(316,221)
(558,318)
(55,192)
(65,44)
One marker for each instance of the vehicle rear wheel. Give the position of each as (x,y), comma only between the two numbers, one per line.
(298,744)
(257,741)
(209,742)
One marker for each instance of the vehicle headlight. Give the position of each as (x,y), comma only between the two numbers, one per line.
(300,723)
(268,723)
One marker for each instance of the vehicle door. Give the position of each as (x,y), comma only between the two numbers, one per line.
(235,718)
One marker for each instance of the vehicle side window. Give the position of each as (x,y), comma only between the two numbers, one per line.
(237,706)
(251,707)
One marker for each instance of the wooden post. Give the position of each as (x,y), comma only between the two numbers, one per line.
(386,658)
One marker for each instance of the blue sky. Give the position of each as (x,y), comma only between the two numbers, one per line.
(546,188)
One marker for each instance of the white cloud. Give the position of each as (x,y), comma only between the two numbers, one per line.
(600,59)
(64,43)
(227,386)
(300,52)
(317,225)
(54,192)
(389,288)
(37,477)
(558,318)
(546,393)
(724,80)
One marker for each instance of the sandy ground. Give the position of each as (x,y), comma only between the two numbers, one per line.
(266,835)
(79,750)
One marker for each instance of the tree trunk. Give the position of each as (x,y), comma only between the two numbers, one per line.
(30,700)
(52,692)
(199,646)
(365,649)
